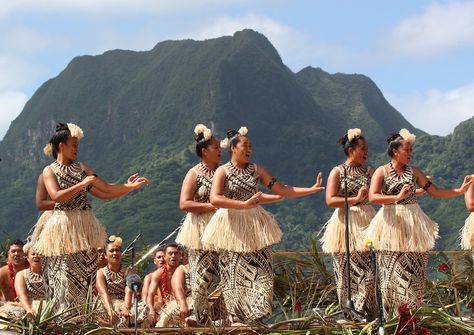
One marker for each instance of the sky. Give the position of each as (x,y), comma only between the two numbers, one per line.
(419,53)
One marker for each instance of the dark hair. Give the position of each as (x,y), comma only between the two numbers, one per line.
(16,242)
(60,136)
(394,142)
(171,245)
(202,143)
(160,249)
(346,144)
(234,138)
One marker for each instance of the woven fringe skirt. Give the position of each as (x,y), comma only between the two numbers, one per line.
(169,314)
(241,230)
(333,240)
(404,228)
(68,279)
(67,232)
(192,230)
(247,280)
(362,282)
(402,279)
(205,279)
(467,233)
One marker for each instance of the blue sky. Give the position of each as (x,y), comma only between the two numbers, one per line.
(419,53)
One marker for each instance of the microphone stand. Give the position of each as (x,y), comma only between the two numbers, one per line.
(378,293)
(135,308)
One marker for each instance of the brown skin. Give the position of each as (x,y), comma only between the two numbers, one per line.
(34,260)
(172,256)
(100,189)
(401,158)
(101,258)
(210,158)
(43,201)
(240,157)
(159,261)
(355,157)
(16,256)
(469,197)
(178,284)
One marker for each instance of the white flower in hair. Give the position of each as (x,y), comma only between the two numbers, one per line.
(48,149)
(407,136)
(225,143)
(75,131)
(207,134)
(352,133)
(202,129)
(243,131)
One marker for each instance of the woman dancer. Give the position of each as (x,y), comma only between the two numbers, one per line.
(467,234)
(360,213)
(401,231)
(69,239)
(243,232)
(194,199)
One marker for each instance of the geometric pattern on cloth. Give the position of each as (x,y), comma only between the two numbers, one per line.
(357,177)
(67,280)
(116,283)
(34,285)
(240,184)
(362,282)
(247,280)
(393,184)
(402,279)
(205,279)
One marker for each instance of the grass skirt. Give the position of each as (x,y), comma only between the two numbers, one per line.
(404,228)
(192,229)
(467,233)
(241,230)
(68,232)
(333,240)
(362,281)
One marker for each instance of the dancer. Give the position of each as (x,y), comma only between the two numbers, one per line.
(194,200)
(29,282)
(69,238)
(243,232)
(467,234)
(400,230)
(360,213)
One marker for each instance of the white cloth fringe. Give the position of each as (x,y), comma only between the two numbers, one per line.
(334,239)
(241,230)
(467,233)
(404,228)
(192,230)
(68,232)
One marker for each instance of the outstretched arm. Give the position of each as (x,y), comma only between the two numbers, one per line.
(436,192)
(469,198)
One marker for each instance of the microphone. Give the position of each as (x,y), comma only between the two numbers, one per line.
(134,282)
(130,246)
(369,245)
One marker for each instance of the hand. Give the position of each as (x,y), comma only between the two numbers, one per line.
(152,317)
(125,312)
(113,317)
(183,310)
(88,181)
(405,192)
(468,180)
(362,194)
(319,181)
(132,178)
(138,182)
(253,201)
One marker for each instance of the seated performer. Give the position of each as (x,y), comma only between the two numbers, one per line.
(101,258)
(159,261)
(159,291)
(29,282)
(15,263)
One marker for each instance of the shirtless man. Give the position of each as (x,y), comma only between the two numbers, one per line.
(16,262)
(159,261)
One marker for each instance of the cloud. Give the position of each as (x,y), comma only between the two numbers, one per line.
(435,111)
(11,105)
(440,28)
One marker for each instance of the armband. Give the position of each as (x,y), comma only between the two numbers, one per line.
(427,185)
(271,183)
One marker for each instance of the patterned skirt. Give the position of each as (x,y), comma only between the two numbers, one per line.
(247,280)
(362,282)
(402,278)
(169,316)
(467,233)
(68,279)
(205,279)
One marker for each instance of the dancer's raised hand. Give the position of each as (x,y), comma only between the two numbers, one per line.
(319,181)
(253,201)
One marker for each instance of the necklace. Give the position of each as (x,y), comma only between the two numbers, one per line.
(354,170)
(395,173)
(73,167)
(240,171)
(205,170)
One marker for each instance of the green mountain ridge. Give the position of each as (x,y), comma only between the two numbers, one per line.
(138,111)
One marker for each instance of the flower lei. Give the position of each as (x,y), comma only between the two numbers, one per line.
(11,274)
(164,283)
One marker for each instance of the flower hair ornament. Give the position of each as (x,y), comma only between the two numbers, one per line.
(115,240)
(407,136)
(353,133)
(241,132)
(202,129)
(74,130)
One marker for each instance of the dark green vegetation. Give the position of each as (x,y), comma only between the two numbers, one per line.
(138,111)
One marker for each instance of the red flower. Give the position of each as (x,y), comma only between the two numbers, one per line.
(423,331)
(443,267)
(297,306)
(402,309)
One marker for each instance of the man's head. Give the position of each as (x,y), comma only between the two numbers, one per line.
(16,255)
(172,255)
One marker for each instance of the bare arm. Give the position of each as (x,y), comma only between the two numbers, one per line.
(469,198)
(22,293)
(436,192)
(186,199)
(219,200)
(153,290)
(146,284)
(333,200)
(127,302)
(375,191)
(178,285)
(287,190)
(43,203)
(58,195)
(104,294)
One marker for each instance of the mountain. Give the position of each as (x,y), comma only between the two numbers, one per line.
(138,111)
